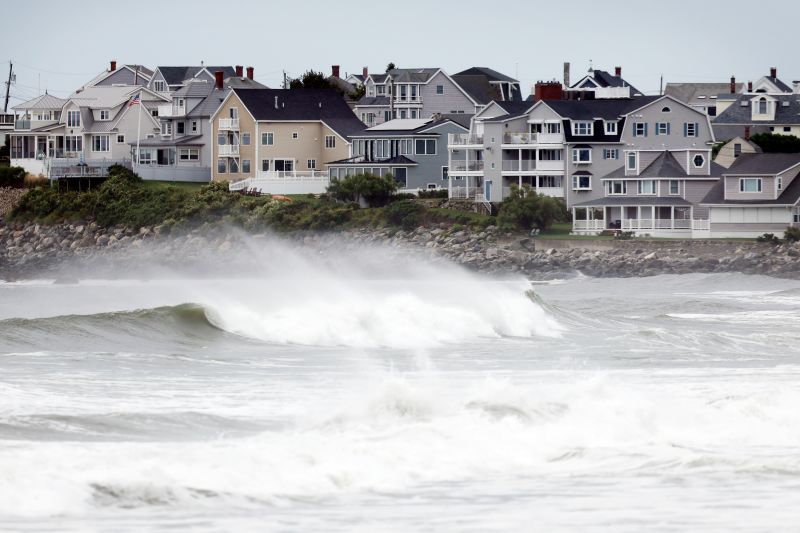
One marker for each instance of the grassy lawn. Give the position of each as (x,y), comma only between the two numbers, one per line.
(562,230)
(190,186)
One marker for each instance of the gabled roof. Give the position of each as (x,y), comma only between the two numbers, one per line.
(690,93)
(478,88)
(412,75)
(789,196)
(605,79)
(665,166)
(374,101)
(490,74)
(106,97)
(769,164)
(45,101)
(606,109)
(515,106)
(788,113)
(178,75)
(462,119)
(144,72)
(778,83)
(195,89)
(325,105)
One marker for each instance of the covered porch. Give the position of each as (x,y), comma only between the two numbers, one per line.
(664,217)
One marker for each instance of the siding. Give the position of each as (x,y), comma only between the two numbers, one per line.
(696,190)
(767,189)
(678,115)
(452,99)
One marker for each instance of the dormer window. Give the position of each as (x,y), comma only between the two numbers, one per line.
(750,185)
(104,115)
(582,127)
(73,119)
(762,106)
(611,128)
(632,161)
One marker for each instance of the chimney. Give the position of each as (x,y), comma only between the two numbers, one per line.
(365,72)
(276,103)
(773,72)
(566,74)
(250,72)
(749,86)
(733,84)
(239,71)
(335,71)
(549,90)
(618,71)
(218,77)
(747,133)
(113,65)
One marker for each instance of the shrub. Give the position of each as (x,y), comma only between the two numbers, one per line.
(402,196)
(12,177)
(525,210)
(374,190)
(777,143)
(768,237)
(406,213)
(433,193)
(792,234)
(624,235)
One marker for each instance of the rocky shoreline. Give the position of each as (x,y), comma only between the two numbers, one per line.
(30,251)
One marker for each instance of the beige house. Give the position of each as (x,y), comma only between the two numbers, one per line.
(279,140)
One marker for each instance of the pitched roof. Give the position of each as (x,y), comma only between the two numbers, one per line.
(606,109)
(177,75)
(412,75)
(374,100)
(490,74)
(462,119)
(664,166)
(104,96)
(777,82)
(45,101)
(691,92)
(763,164)
(209,104)
(786,112)
(195,89)
(605,79)
(478,88)
(326,105)
(789,196)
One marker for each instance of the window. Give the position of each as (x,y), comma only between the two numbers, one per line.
(400,176)
(555,127)
(194,126)
(610,153)
(737,149)
(104,114)
(617,187)
(246,166)
(666,109)
(73,119)
(698,161)
(189,154)
(662,128)
(780,183)
(222,139)
(221,165)
(246,139)
(311,164)
(160,87)
(440,89)
(267,138)
(674,187)
(181,103)
(640,129)
(234,166)
(582,127)
(402,113)
(180,128)
(426,146)
(73,143)
(100,143)
(632,161)
(166,128)
(445,173)
(265,165)
(581,182)
(146,157)
(120,139)
(233,112)
(295,135)
(690,129)
(381,89)
(647,187)
(581,155)
(762,106)
(787,129)
(611,128)
(330,141)
(750,185)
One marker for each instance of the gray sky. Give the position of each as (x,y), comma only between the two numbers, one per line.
(685,40)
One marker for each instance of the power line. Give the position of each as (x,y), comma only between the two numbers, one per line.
(36,69)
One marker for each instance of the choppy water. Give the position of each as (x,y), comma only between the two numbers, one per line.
(340,398)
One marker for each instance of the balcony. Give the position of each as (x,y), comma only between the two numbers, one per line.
(228,150)
(408,99)
(555,192)
(464,139)
(531,139)
(170,111)
(229,124)
(22,124)
(550,166)
(515,165)
(466,166)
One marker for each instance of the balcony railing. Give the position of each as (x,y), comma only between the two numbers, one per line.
(532,138)
(227,150)
(555,192)
(22,124)
(464,139)
(408,99)
(466,166)
(464,192)
(515,165)
(656,223)
(229,123)
(170,111)
(293,174)
(589,225)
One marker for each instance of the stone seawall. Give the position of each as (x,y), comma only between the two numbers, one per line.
(31,250)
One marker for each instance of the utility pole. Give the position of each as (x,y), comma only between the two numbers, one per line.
(285,85)
(661,86)
(8,85)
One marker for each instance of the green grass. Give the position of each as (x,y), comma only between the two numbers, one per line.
(190,186)
(561,230)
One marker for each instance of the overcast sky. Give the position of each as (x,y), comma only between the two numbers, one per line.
(59,45)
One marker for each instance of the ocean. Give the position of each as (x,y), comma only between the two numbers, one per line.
(352,394)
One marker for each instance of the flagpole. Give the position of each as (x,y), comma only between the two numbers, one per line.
(138,130)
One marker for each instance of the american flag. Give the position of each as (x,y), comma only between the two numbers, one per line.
(135,100)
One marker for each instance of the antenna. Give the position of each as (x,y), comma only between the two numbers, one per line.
(8,84)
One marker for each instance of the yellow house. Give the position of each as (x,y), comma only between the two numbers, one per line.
(283,138)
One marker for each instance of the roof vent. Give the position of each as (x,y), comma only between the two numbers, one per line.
(276,103)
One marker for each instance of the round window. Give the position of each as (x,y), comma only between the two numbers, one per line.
(699,160)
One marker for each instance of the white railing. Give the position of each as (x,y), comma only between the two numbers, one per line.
(229,123)
(170,111)
(555,192)
(463,192)
(554,166)
(408,99)
(227,150)
(700,225)
(460,165)
(656,223)
(519,138)
(515,165)
(589,225)
(284,182)
(293,174)
(463,139)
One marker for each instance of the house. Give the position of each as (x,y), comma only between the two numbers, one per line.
(91,128)
(183,149)
(600,84)
(759,193)
(170,79)
(703,96)
(758,113)
(773,85)
(413,94)
(731,150)
(280,140)
(124,75)
(486,85)
(414,151)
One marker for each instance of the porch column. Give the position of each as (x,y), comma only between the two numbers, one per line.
(520,182)
(638,215)
(672,217)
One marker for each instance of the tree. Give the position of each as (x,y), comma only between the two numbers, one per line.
(310,80)
(776,143)
(374,190)
(359,92)
(390,66)
(525,210)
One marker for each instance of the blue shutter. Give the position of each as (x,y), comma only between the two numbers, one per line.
(696,129)
(645,129)
(685,129)
(669,124)
(633,127)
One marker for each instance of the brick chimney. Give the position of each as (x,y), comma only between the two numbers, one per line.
(749,86)
(239,71)
(548,90)
(113,65)
(218,77)
(773,72)
(618,71)
(365,72)
(335,71)
(747,133)
(733,84)
(250,72)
